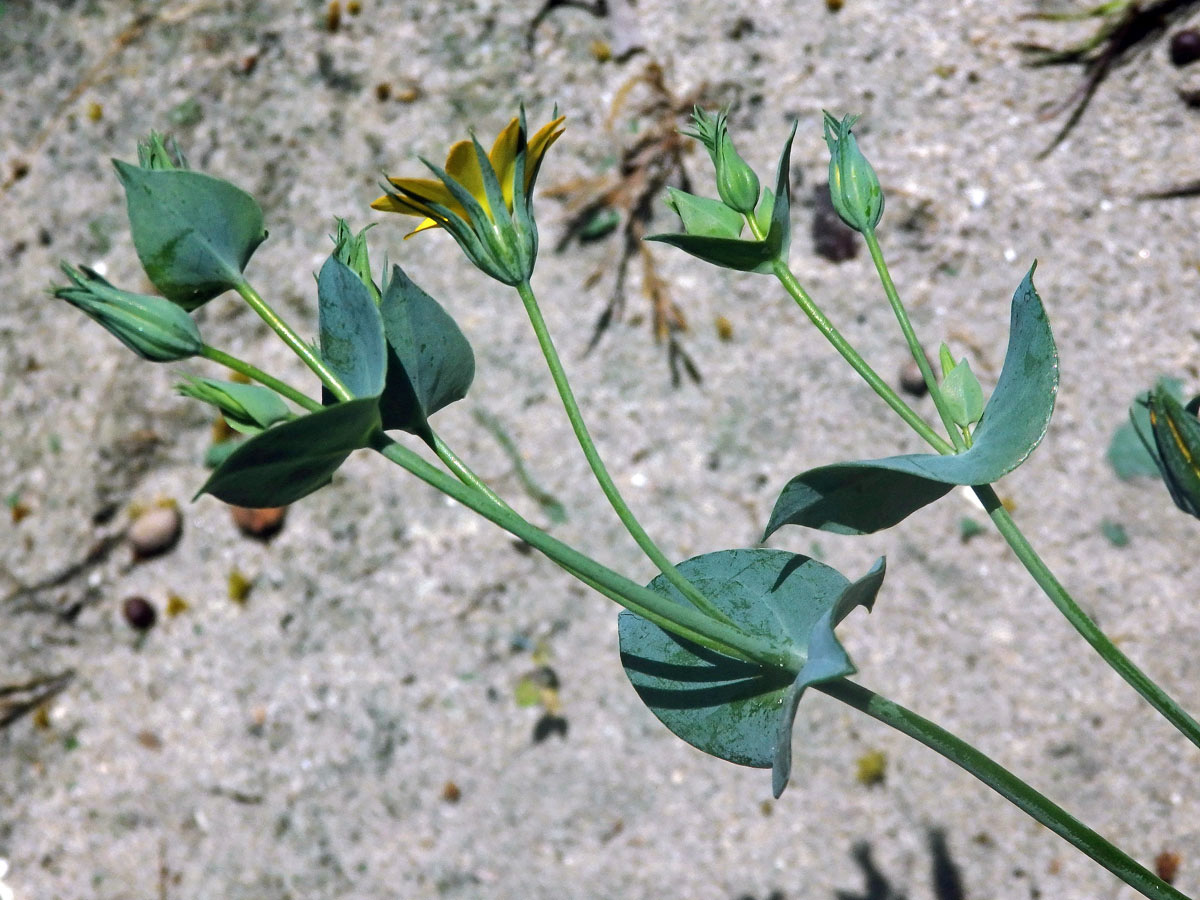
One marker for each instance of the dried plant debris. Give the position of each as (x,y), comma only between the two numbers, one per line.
(622,203)
(18,699)
(624,32)
(1126,27)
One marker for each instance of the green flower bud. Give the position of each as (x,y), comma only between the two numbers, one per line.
(248,408)
(1171,433)
(737,184)
(351,250)
(853,186)
(153,153)
(963,395)
(152,327)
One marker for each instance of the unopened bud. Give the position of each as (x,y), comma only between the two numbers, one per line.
(152,327)
(853,186)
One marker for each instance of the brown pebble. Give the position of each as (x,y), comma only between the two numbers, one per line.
(139,613)
(383,91)
(333,16)
(1185,46)
(1166,866)
(155,531)
(911,380)
(451,792)
(262,524)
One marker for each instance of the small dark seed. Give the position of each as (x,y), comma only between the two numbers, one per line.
(1185,46)
(911,380)
(139,613)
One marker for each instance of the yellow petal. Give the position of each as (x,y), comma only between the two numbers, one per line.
(539,144)
(463,166)
(504,157)
(426,190)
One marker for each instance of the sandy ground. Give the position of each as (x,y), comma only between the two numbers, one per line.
(351,730)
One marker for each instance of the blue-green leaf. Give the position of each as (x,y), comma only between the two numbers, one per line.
(351,330)
(430,362)
(867,496)
(194,234)
(704,216)
(294,459)
(726,707)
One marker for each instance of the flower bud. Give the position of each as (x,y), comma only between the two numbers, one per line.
(1171,432)
(351,249)
(853,186)
(737,184)
(153,153)
(152,327)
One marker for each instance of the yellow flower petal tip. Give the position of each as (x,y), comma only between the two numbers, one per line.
(481,199)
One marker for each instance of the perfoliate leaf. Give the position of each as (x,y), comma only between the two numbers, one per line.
(294,459)
(430,362)
(194,234)
(728,708)
(867,496)
(351,330)
(704,216)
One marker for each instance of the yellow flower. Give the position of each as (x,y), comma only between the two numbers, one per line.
(416,196)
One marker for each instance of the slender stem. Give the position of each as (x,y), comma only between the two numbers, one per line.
(1137,679)
(462,471)
(607,485)
(257,374)
(1003,782)
(881,387)
(677,618)
(910,336)
(758,233)
(294,341)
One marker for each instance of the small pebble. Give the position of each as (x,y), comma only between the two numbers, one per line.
(1166,865)
(139,613)
(262,524)
(1185,46)
(911,380)
(155,531)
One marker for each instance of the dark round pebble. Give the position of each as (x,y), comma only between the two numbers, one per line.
(1185,46)
(139,613)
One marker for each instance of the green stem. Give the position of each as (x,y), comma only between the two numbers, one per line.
(881,387)
(461,470)
(910,336)
(257,374)
(294,341)
(607,485)
(1005,784)
(677,618)
(1137,679)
